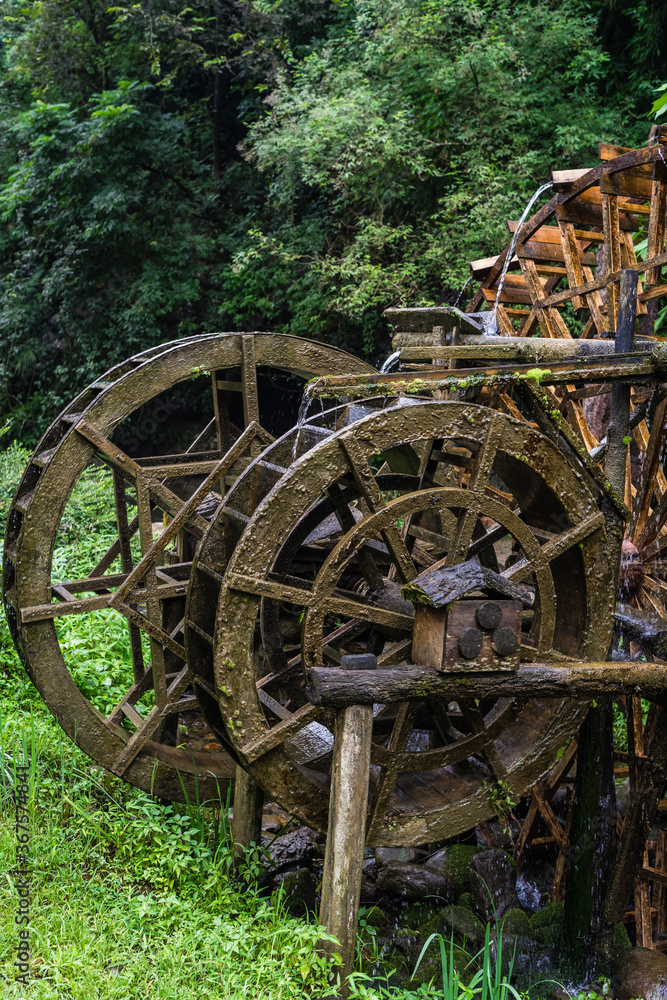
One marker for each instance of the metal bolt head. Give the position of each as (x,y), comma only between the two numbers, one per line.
(488,615)
(470,643)
(504,641)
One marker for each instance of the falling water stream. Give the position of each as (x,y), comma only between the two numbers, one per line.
(306,400)
(512,248)
(463,288)
(389,362)
(487,322)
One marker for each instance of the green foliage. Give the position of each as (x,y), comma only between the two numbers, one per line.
(293,165)
(13,461)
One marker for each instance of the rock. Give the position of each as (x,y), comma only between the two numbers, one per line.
(465,900)
(533,887)
(463,924)
(453,863)
(369,892)
(374,917)
(620,942)
(300,891)
(385,854)
(546,925)
(493,884)
(641,973)
(412,881)
(274,817)
(430,967)
(515,924)
(552,913)
(293,848)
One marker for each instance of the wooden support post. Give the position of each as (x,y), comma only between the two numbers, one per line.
(659,890)
(643,918)
(247,817)
(346,835)
(594,818)
(639,819)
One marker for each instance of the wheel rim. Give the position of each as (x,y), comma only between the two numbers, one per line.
(34,519)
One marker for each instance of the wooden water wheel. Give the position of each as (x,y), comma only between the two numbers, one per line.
(165,430)
(563,282)
(316,574)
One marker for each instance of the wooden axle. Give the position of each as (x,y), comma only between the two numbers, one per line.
(336,687)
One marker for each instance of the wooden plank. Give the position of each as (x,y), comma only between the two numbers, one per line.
(549,251)
(659,889)
(612,253)
(247,815)
(628,184)
(575,275)
(656,223)
(44,612)
(595,284)
(629,258)
(643,922)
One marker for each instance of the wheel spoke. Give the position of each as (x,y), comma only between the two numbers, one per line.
(650,465)
(372,494)
(163,496)
(555,547)
(351,606)
(181,518)
(405,716)
(475,720)
(152,721)
(479,476)
(367,564)
(283,730)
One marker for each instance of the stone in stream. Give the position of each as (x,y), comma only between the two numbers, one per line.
(412,881)
(385,854)
(293,848)
(493,884)
(641,973)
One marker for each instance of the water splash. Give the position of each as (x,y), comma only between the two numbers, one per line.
(389,362)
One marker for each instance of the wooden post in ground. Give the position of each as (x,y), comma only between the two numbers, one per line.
(593,834)
(247,815)
(346,835)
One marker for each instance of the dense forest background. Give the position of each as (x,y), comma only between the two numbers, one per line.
(171,167)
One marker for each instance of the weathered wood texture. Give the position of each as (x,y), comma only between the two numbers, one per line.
(638,822)
(335,687)
(247,814)
(151,595)
(441,584)
(346,834)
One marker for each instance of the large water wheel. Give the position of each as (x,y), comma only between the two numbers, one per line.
(316,573)
(166,431)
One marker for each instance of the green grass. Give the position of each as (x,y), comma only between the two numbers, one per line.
(133,898)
